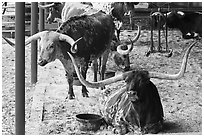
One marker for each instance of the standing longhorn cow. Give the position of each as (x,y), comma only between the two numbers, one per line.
(158,21)
(63,11)
(87,37)
(137,105)
(70,9)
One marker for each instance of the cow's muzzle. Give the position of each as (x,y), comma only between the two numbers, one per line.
(132,96)
(42,62)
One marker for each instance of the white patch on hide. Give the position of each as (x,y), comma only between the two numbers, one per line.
(181,13)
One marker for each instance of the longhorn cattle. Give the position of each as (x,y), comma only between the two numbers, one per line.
(156,17)
(158,21)
(121,57)
(137,106)
(119,10)
(189,23)
(70,9)
(62,11)
(87,37)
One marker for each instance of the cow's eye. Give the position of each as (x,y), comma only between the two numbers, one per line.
(51,47)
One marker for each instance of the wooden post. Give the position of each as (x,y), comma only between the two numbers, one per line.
(34,29)
(20,68)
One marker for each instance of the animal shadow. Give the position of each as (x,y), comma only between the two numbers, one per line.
(171,127)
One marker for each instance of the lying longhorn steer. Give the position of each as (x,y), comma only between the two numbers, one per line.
(93,34)
(137,106)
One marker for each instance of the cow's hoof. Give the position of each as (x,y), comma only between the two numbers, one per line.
(147,53)
(119,130)
(102,88)
(169,54)
(70,97)
(85,94)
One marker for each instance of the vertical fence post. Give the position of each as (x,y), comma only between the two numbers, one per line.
(20,68)
(41,18)
(151,29)
(47,12)
(159,33)
(166,34)
(34,29)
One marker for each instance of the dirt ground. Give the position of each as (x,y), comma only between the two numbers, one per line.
(181,99)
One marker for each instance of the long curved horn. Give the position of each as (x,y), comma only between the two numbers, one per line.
(47,6)
(27,41)
(179,74)
(35,37)
(99,83)
(74,46)
(129,43)
(71,41)
(8,41)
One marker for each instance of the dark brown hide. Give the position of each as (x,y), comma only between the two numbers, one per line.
(186,22)
(96,31)
(137,107)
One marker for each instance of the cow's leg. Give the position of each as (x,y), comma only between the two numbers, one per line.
(127,63)
(166,37)
(131,20)
(95,67)
(99,65)
(69,76)
(84,68)
(118,34)
(103,65)
(151,49)
(159,48)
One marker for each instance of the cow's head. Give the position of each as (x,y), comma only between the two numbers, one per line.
(125,75)
(49,43)
(55,10)
(120,9)
(135,82)
(127,46)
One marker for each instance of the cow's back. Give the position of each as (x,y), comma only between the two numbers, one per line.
(195,21)
(72,9)
(96,29)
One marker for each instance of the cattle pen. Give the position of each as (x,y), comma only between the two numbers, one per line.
(47,111)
